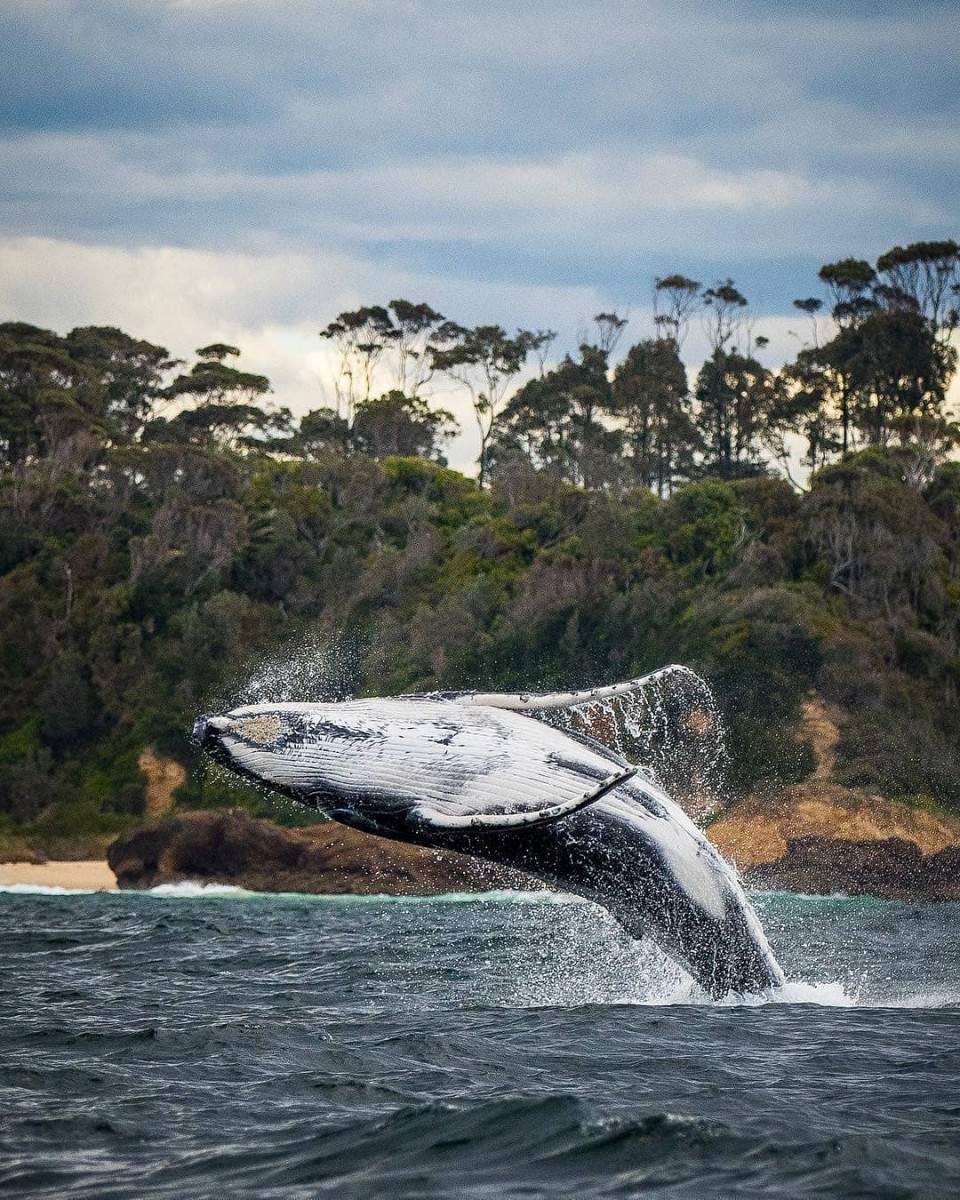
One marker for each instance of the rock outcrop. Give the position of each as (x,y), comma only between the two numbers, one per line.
(817,838)
(758,830)
(229,846)
(890,867)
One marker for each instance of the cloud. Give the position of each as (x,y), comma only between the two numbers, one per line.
(496,132)
(269,305)
(243,169)
(610,218)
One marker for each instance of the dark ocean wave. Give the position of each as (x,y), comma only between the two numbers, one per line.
(191,1044)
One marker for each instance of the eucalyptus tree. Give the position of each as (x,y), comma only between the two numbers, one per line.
(927,274)
(886,370)
(736,399)
(899,373)
(558,422)
(850,282)
(130,371)
(222,407)
(675,298)
(393,343)
(804,408)
(811,307)
(45,394)
(610,327)
(361,338)
(723,312)
(651,399)
(417,329)
(322,432)
(396,424)
(486,361)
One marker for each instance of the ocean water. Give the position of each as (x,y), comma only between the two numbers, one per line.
(195,1042)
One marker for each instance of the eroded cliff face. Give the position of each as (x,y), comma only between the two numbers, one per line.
(756,831)
(164,776)
(820,837)
(890,868)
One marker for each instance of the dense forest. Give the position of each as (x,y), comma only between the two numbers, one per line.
(167,530)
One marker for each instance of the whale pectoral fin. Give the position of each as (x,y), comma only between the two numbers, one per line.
(536,701)
(490,821)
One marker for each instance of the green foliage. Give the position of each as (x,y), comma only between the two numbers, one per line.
(703,526)
(160,538)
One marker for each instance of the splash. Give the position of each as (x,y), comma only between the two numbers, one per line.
(670,725)
(586,958)
(321,667)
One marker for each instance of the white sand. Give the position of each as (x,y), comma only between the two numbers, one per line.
(79,876)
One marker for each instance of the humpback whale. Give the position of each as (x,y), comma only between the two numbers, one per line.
(473,772)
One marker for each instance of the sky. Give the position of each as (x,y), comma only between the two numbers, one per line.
(243,170)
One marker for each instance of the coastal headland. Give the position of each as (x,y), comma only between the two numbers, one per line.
(814,838)
(174,542)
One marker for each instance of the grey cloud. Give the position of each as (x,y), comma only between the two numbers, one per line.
(596,141)
(519,75)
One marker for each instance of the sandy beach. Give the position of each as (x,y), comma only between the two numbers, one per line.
(80,876)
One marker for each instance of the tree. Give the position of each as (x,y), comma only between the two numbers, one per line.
(651,398)
(130,371)
(723,313)
(417,327)
(47,398)
(388,425)
(850,281)
(806,406)
(393,343)
(556,422)
(362,338)
(610,327)
(221,407)
(395,424)
(811,306)
(536,427)
(675,298)
(898,373)
(928,274)
(736,396)
(322,431)
(887,368)
(486,360)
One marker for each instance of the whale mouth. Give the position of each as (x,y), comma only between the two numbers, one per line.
(203,730)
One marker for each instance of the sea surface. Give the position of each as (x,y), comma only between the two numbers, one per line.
(192,1042)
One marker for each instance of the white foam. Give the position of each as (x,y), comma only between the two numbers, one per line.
(188,889)
(501,896)
(795,991)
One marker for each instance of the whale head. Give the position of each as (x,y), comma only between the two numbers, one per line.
(296,750)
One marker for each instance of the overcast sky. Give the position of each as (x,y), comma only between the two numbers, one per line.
(242,170)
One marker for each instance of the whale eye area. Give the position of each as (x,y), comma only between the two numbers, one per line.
(264,730)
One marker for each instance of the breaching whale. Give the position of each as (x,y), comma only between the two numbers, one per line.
(470,772)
